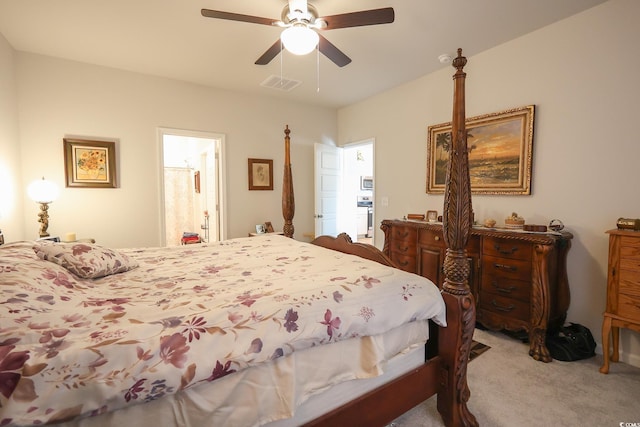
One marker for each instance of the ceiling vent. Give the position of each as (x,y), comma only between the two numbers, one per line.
(279,83)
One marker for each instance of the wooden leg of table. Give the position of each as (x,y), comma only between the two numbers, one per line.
(615,333)
(606,329)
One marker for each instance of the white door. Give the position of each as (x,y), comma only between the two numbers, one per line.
(328,174)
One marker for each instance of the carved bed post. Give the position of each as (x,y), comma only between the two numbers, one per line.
(288,202)
(461,312)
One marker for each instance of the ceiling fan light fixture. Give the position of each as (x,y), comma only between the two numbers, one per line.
(299,39)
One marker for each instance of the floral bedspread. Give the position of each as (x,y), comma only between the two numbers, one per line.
(186,315)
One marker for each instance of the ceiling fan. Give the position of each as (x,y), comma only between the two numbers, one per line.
(301,21)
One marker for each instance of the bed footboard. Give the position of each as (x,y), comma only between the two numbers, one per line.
(344,244)
(444,374)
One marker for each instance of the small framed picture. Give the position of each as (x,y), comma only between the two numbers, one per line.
(432,216)
(268,227)
(260,174)
(260,228)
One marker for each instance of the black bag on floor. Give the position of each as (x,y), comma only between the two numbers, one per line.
(571,342)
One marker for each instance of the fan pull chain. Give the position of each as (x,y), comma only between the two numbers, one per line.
(318,68)
(281,61)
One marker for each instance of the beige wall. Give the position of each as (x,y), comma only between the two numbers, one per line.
(59,98)
(581,73)
(11,218)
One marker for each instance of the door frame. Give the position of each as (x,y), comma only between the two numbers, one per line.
(221,193)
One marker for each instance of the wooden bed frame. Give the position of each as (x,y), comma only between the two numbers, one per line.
(446,373)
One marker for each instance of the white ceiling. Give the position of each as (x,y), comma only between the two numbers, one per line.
(170,38)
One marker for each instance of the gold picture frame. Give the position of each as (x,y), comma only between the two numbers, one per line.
(260,174)
(89,164)
(500,152)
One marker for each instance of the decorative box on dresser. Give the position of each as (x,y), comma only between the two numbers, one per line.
(519,280)
(623,291)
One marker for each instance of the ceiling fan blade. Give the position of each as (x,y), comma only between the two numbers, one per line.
(358,19)
(208,13)
(271,53)
(329,50)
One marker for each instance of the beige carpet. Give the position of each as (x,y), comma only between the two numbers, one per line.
(509,388)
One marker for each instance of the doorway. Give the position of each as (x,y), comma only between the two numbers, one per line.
(192,180)
(358,185)
(344,190)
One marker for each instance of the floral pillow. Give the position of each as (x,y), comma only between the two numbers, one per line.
(85,260)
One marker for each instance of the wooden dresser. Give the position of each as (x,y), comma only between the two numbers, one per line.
(519,280)
(623,290)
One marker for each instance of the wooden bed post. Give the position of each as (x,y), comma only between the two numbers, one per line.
(461,311)
(288,202)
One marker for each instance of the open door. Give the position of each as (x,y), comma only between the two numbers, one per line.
(328,175)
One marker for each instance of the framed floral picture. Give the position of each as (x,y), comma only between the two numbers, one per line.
(89,163)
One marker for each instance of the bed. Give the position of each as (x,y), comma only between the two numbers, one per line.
(244,332)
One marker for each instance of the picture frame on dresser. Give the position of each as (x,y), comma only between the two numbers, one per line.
(500,152)
(89,163)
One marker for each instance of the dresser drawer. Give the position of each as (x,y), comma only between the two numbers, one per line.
(629,284)
(406,234)
(630,248)
(404,262)
(506,287)
(431,238)
(506,268)
(629,263)
(629,307)
(506,248)
(403,240)
(503,306)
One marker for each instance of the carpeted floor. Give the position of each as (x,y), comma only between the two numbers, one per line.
(509,388)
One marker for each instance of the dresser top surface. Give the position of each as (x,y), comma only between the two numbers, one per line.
(542,237)
(619,232)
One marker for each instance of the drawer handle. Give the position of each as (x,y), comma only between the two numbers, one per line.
(403,235)
(505,251)
(502,308)
(403,263)
(505,266)
(436,238)
(403,248)
(503,290)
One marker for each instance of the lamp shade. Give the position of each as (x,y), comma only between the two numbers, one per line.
(42,191)
(299,40)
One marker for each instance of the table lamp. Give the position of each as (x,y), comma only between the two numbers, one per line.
(43,192)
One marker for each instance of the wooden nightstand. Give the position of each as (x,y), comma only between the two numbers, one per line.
(623,291)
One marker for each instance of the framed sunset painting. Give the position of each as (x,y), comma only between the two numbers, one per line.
(500,147)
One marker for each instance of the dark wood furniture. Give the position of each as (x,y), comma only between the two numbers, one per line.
(623,291)
(445,374)
(519,280)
